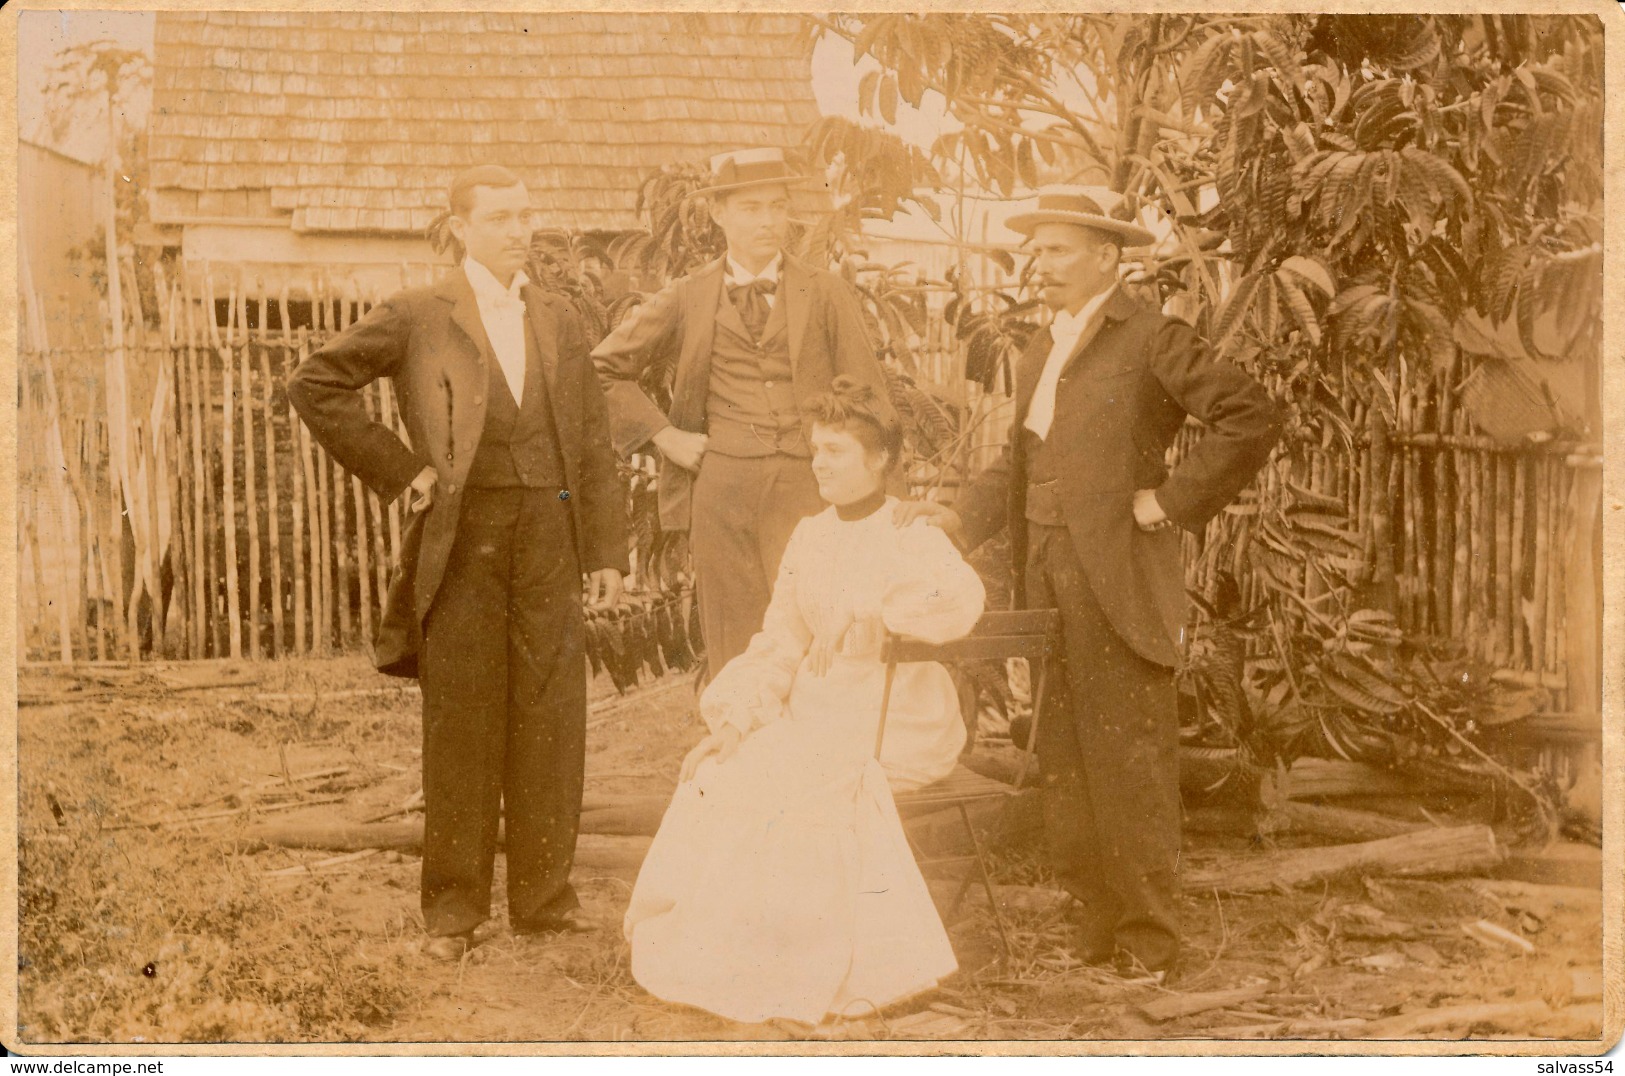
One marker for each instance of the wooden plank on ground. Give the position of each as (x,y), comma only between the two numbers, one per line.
(1175,1006)
(1453,850)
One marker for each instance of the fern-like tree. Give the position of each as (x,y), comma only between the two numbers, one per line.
(1356,202)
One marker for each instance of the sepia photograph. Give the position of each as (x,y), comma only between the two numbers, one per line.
(815,533)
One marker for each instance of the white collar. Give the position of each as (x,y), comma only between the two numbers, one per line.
(485,284)
(737,274)
(1065,324)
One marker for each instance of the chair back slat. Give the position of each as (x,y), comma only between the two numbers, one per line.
(1001,633)
(970,648)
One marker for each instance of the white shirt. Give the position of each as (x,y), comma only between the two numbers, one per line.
(502,312)
(1066,330)
(736,274)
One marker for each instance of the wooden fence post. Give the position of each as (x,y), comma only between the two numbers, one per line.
(179,533)
(228,452)
(273,478)
(55,461)
(324,544)
(295,444)
(251,500)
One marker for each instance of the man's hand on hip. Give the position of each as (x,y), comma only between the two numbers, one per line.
(684,449)
(1148,514)
(422,488)
(603,589)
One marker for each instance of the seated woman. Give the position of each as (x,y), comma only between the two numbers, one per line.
(780,884)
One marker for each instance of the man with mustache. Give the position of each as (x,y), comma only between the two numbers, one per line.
(1090,505)
(751,335)
(514,497)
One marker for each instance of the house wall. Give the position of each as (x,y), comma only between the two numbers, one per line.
(284,260)
(58,211)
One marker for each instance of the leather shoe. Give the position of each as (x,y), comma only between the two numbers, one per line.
(574,921)
(448,947)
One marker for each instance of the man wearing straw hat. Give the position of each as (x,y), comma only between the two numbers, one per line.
(751,335)
(1091,507)
(514,497)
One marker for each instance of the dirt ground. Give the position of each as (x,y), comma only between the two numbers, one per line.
(183,931)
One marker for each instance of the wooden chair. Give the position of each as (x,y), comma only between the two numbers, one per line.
(1027,633)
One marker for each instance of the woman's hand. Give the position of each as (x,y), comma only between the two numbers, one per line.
(722,744)
(826,644)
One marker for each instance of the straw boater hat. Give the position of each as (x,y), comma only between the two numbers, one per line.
(1081,206)
(741,168)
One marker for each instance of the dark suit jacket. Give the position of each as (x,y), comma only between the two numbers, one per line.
(1121,400)
(826,337)
(431,343)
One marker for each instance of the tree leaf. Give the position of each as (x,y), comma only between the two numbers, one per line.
(866,92)
(1026,167)
(1312,272)
(888,99)
(1230,315)
(1280,57)
(1303,312)
(1356,695)
(1193,74)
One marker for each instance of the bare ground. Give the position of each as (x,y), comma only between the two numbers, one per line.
(183,932)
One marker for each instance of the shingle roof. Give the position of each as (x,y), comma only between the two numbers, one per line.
(357,121)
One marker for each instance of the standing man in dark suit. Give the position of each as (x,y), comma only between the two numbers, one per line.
(752,334)
(1091,505)
(514,497)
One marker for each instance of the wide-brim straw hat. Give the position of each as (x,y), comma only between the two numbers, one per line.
(741,168)
(1081,206)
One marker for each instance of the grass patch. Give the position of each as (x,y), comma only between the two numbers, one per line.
(139,937)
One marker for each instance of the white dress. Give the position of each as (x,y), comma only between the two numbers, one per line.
(780,883)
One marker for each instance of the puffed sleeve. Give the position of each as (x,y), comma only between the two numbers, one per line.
(751,690)
(931,594)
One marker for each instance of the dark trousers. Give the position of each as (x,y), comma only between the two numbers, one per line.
(504,713)
(1108,747)
(744,511)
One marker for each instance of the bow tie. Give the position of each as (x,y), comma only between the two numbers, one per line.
(759,286)
(751,302)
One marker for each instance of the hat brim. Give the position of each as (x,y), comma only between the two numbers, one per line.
(780,181)
(1132,234)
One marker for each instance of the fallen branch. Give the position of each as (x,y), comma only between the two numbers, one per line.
(1175,1006)
(321,864)
(214,816)
(63,697)
(1509,1016)
(348,693)
(1492,936)
(1456,850)
(1547,897)
(1313,778)
(625,815)
(596,851)
(1338,823)
(313,775)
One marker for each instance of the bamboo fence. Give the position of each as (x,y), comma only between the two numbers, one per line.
(257,544)
(1474,539)
(266,546)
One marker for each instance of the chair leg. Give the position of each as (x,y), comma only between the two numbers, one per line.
(965,881)
(987,881)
